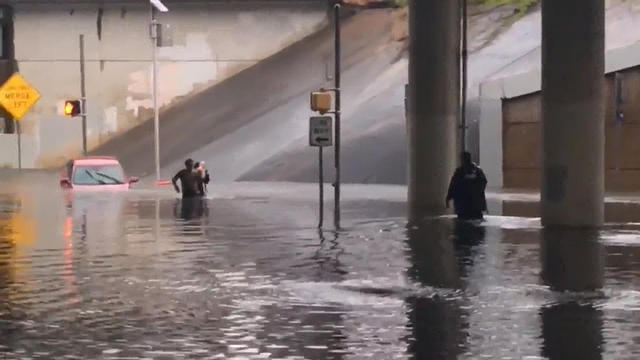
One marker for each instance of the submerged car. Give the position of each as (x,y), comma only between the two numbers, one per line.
(95,173)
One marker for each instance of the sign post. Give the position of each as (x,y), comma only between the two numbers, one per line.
(19,145)
(320,135)
(17,97)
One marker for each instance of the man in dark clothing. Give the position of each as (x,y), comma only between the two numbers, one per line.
(467,190)
(189,181)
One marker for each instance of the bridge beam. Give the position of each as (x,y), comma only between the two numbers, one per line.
(573,113)
(433,102)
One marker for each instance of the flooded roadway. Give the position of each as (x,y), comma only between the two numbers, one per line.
(246,275)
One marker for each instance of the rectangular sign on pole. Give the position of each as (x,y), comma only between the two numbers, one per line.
(320,131)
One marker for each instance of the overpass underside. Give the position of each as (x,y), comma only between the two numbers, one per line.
(572,180)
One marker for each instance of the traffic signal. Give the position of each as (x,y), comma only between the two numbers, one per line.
(321,101)
(72,107)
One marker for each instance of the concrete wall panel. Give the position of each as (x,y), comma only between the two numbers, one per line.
(521,138)
(522,146)
(9,151)
(522,178)
(622,180)
(623,147)
(490,135)
(210,43)
(631,95)
(523,109)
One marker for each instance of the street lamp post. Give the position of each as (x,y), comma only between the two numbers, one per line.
(156,5)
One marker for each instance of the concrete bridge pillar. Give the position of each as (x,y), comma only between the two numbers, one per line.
(573,113)
(433,102)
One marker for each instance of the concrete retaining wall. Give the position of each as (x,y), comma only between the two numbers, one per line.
(9,151)
(211,42)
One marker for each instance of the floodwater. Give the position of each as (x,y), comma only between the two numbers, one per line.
(246,275)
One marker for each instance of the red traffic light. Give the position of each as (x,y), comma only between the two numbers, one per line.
(72,107)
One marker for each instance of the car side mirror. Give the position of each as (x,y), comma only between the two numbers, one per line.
(133,180)
(65,183)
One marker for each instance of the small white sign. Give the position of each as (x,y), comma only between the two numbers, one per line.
(320,131)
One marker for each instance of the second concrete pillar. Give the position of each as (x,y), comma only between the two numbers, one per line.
(572,113)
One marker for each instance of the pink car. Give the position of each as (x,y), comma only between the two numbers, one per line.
(95,173)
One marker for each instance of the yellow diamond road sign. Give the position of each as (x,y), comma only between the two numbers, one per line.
(17,96)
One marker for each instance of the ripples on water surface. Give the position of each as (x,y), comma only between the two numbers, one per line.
(142,276)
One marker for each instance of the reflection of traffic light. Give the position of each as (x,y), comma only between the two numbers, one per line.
(21,229)
(72,107)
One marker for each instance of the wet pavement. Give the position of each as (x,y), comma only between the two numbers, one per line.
(246,275)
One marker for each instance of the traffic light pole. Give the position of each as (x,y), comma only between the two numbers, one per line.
(83,99)
(336,9)
(156,115)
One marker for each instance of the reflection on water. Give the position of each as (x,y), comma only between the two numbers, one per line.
(145,275)
(190,209)
(572,330)
(439,258)
(572,260)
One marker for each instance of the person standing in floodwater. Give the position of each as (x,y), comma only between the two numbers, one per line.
(467,190)
(189,181)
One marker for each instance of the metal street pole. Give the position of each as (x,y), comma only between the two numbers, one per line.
(463,104)
(19,145)
(336,8)
(321,187)
(619,115)
(83,98)
(156,115)
(156,5)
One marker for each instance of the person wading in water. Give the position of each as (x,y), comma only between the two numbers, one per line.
(190,182)
(467,190)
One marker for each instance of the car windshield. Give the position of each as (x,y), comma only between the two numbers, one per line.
(98,175)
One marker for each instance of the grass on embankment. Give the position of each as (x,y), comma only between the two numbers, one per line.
(521,5)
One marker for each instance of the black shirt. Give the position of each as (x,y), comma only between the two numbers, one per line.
(189,181)
(467,190)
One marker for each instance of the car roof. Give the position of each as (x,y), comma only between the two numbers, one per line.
(96,160)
